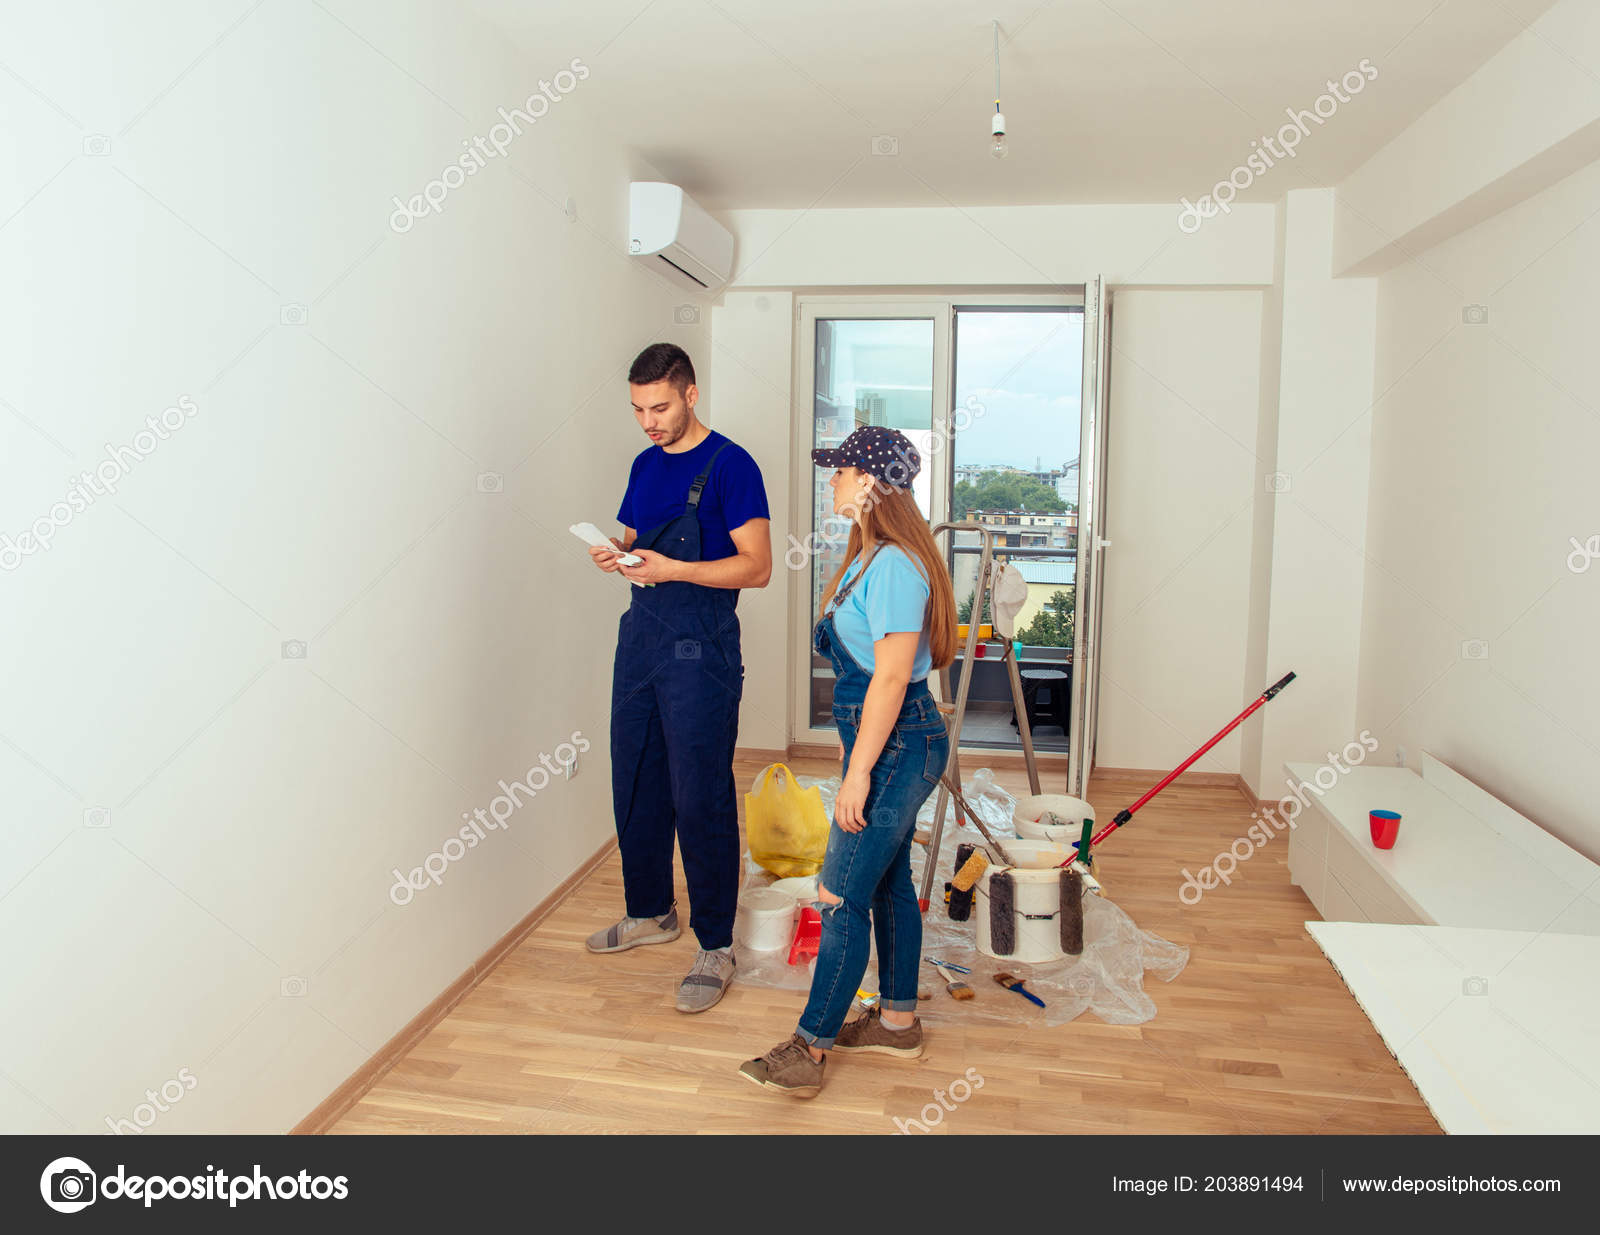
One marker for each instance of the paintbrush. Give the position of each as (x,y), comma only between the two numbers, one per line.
(1013,983)
(957,988)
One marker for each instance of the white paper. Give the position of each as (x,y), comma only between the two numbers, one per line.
(590,534)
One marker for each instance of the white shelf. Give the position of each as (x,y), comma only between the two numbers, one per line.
(1462,857)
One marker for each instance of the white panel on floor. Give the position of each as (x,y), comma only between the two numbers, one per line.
(1498,1030)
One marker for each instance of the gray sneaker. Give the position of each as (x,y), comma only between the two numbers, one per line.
(706,981)
(631,932)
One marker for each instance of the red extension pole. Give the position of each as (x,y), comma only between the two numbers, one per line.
(1126,814)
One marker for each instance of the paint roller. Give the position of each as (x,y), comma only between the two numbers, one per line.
(1003,913)
(970,863)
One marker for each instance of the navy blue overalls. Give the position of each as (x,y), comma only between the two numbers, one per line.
(675,693)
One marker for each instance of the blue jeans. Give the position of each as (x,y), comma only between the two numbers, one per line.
(870,871)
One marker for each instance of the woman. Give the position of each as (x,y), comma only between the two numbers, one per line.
(888,617)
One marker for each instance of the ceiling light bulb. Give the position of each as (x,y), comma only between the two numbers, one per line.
(998,147)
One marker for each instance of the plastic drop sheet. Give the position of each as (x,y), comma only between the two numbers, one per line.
(1106,980)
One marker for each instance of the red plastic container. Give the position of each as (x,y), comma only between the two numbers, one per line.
(807,936)
(1385,826)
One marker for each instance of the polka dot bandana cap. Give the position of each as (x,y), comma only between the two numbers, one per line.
(887,453)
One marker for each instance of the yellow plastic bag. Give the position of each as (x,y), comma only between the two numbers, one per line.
(786,825)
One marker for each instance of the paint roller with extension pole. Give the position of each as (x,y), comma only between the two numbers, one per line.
(1076,871)
(1124,815)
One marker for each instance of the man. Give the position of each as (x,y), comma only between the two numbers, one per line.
(679,675)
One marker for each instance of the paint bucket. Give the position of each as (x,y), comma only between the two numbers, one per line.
(1038,901)
(802,888)
(1071,811)
(765,921)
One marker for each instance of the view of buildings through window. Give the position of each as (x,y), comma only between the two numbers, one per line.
(1015,456)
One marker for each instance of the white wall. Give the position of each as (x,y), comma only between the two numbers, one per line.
(751,357)
(1263,505)
(325,489)
(991,246)
(1180,485)
(1316,481)
(1484,443)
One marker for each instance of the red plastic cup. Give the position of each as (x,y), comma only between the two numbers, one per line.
(1385,826)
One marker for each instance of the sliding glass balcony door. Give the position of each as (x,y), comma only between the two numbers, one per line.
(1004,397)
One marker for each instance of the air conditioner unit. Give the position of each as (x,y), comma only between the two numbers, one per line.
(679,239)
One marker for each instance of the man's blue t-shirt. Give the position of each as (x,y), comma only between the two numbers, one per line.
(892,598)
(658,489)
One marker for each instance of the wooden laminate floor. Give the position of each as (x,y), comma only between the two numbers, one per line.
(1258,1034)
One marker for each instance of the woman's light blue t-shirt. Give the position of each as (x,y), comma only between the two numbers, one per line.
(892,598)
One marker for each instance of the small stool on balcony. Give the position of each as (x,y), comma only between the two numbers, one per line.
(1055,705)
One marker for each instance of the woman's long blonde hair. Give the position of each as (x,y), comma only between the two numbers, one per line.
(890,516)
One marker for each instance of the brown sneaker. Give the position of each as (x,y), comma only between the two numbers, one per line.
(866,1033)
(787,1068)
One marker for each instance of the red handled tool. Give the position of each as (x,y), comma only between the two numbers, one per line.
(1126,814)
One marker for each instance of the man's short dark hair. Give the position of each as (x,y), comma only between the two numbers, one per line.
(662,362)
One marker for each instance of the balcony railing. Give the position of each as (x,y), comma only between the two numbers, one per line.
(1009,551)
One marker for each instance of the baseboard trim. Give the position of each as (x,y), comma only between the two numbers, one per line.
(761,755)
(1014,761)
(1210,780)
(977,756)
(334,1107)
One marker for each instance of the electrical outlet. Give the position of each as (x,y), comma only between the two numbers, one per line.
(1399,756)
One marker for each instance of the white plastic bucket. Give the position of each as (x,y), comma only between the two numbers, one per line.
(802,888)
(1038,891)
(1029,810)
(765,921)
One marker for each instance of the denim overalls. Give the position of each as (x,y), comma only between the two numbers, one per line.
(675,692)
(871,869)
